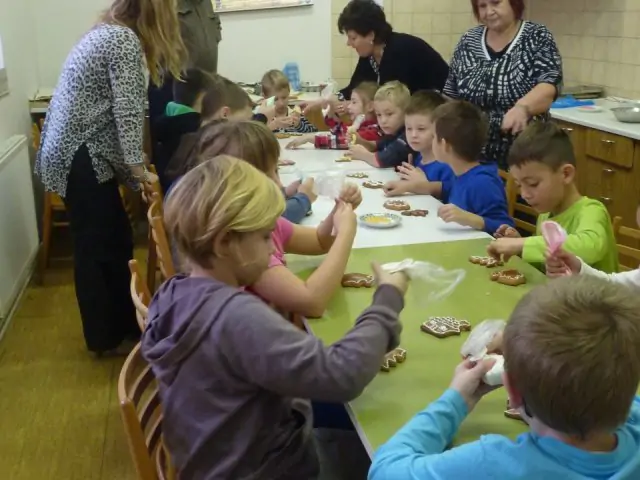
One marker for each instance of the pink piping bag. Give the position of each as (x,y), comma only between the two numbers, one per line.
(554,236)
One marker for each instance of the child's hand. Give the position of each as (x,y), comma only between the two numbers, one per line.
(561,264)
(291,189)
(395,188)
(295,119)
(344,218)
(398,280)
(506,231)
(467,381)
(351,194)
(308,188)
(358,152)
(505,248)
(451,213)
(408,172)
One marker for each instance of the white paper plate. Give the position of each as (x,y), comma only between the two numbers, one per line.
(380,220)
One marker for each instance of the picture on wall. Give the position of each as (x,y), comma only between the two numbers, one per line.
(240,5)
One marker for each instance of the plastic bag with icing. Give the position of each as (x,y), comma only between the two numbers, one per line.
(475,349)
(430,282)
(326,184)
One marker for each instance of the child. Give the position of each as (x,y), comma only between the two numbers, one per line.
(181,116)
(361,103)
(557,264)
(391,150)
(234,376)
(572,369)
(223,101)
(286,120)
(278,286)
(543,165)
(476,198)
(425,170)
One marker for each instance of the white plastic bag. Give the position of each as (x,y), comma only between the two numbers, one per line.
(475,348)
(430,282)
(326,184)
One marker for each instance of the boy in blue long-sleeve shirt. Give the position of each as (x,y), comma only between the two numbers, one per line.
(477,197)
(572,368)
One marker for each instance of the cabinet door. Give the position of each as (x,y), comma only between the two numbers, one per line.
(577,135)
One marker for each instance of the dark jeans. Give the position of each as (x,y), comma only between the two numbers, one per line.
(103,246)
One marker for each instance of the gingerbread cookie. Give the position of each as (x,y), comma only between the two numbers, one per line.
(513,414)
(488,262)
(443,327)
(357,175)
(415,213)
(357,280)
(373,184)
(343,158)
(512,278)
(393,358)
(397,205)
(286,163)
(282,135)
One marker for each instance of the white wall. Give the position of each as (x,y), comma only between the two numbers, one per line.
(20,62)
(253,42)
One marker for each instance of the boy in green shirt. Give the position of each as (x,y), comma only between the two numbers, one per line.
(543,165)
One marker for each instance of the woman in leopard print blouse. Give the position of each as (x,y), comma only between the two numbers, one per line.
(92,138)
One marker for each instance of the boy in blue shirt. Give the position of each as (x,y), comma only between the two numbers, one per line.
(418,176)
(572,369)
(477,197)
(392,150)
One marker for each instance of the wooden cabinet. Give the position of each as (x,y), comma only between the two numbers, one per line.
(608,169)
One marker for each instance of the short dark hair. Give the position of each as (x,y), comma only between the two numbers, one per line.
(194,83)
(224,93)
(424,102)
(463,126)
(543,142)
(516,5)
(364,17)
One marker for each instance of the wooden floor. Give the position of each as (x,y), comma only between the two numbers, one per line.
(59,416)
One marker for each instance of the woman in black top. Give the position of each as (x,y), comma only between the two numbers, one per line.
(386,55)
(509,67)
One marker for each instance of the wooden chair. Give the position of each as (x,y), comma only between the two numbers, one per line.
(149,191)
(516,207)
(509,185)
(139,294)
(623,250)
(159,235)
(142,417)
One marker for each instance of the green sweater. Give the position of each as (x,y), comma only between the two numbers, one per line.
(590,236)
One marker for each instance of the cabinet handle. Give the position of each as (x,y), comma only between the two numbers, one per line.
(606,200)
(567,130)
(607,142)
(609,171)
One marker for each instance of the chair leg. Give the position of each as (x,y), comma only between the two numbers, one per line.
(152,263)
(47,226)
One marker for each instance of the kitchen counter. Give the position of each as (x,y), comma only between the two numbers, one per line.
(603,120)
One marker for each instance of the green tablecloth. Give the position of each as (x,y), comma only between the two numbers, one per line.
(395,397)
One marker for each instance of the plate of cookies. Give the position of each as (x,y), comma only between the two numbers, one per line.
(380,220)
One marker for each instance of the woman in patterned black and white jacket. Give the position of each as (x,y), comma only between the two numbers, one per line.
(93,138)
(509,67)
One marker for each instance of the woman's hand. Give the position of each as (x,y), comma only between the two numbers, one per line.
(398,280)
(344,218)
(516,119)
(351,194)
(561,263)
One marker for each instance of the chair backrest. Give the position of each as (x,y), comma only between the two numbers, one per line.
(508,187)
(142,415)
(151,189)
(165,261)
(139,294)
(624,250)
(515,206)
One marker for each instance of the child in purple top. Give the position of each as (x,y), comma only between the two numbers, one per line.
(235,377)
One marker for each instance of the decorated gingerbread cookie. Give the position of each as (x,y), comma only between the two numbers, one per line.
(282,135)
(443,327)
(286,163)
(343,159)
(488,262)
(415,213)
(397,205)
(393,358)
(512,278)
(373,184)
(513,414)
(357,175)
(357,280)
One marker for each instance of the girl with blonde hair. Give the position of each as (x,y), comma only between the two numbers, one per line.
(93,137)
(235,378)
(334,236)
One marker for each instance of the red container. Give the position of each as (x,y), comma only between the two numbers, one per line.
(331,141)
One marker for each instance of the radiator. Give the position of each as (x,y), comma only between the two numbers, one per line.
(19,241)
